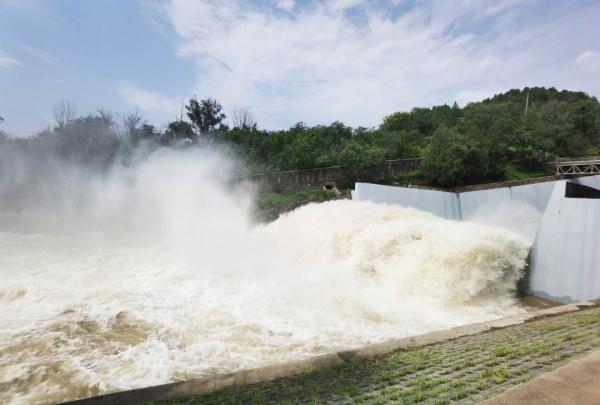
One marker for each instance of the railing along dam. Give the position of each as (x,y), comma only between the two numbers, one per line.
(577,166)
(295,180)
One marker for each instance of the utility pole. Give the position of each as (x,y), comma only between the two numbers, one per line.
(526,104)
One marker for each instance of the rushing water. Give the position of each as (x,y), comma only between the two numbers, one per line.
(184,286)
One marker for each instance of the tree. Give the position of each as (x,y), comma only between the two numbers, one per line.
(397,121)
(453,159)
(243,119)
(179,131)
(88,141)
(138,129)
(205,115)
(132,122)
(64,113)
(149,131)
(359,162)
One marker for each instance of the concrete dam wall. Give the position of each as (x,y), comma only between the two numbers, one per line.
(561,218)
(295,180)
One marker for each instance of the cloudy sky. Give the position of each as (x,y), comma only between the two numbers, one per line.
(286,60)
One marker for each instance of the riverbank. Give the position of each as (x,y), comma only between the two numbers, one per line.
(467,364)
(466,369)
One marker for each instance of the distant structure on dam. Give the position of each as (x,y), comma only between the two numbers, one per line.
(560,217)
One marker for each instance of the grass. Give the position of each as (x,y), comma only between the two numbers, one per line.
(268,206)
(513,171)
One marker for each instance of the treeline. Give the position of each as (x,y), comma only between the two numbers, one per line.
(486,141)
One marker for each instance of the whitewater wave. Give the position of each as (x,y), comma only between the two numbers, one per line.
(181,285)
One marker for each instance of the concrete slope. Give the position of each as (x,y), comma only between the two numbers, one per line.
(577,382)
(565,259)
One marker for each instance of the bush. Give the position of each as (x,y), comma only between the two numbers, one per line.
(359,162)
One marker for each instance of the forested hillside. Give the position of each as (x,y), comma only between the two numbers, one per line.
(511,134)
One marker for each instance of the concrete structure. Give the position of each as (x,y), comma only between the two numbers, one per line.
(574,383)
(590,165)
(295,180)
(564,230)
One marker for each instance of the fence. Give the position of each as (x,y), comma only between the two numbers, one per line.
(296,180)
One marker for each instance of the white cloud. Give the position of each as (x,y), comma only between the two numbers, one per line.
(287,5)
(344,4)
(37,53)
(589,61)
(333,60)
(147,100)
(7,61)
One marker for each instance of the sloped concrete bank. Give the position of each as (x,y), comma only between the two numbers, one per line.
(574,383)
(273,372)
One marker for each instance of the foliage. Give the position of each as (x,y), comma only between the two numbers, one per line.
(179,131)
(453,159)
(270,205)
(205,115)
(91,140)
(482,141)
(359,162)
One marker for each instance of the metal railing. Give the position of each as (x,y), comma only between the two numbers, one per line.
(577,166)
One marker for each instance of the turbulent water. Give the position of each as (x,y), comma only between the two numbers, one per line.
(168,284)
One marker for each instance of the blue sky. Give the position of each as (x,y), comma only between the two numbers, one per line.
(287,61)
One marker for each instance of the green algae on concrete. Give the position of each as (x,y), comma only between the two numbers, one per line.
(466,369)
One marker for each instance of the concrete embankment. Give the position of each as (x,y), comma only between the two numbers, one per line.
(577,382)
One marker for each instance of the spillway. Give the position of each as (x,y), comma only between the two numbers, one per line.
(153,272)
(560,218)
(84,314)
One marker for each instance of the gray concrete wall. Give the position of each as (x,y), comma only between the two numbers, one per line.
(565,258)
(295,180)
(518,208)
(440,203)
(565,232)
(533,195)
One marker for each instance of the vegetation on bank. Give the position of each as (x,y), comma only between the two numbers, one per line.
(468,369)
(268,206)
(508,136)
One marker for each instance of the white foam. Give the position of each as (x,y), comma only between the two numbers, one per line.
(174,282)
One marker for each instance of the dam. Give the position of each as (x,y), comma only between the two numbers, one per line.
(561,219)
(119,290)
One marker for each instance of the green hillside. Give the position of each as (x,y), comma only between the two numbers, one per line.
(508,136)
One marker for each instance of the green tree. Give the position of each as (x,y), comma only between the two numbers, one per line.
(453,159)
(359,162)
(205,115)
(179,131)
